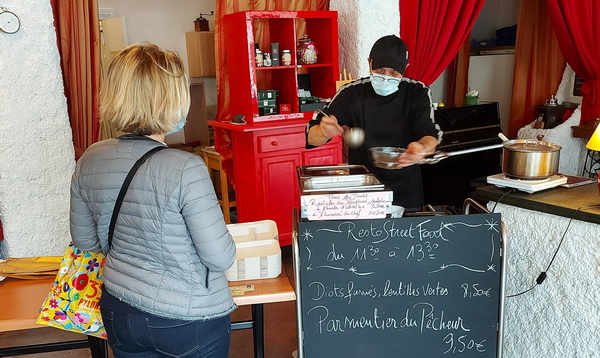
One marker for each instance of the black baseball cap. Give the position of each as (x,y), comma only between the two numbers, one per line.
(389,51)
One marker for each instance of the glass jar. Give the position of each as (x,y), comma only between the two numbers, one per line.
(267,59)
(286,57)
(258,58)
(306,52)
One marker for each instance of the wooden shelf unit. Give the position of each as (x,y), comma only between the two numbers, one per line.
(267,150)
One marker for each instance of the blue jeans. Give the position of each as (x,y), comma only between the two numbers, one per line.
(142,335)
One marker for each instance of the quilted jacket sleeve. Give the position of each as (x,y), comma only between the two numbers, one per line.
(203,217)
(82,222)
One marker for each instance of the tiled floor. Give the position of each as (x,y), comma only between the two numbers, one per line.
(280,330)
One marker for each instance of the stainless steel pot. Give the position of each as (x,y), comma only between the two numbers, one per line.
(530,159)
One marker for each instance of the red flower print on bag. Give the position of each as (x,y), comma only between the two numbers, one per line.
(80,282)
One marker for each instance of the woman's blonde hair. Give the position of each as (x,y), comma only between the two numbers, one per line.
(146,90)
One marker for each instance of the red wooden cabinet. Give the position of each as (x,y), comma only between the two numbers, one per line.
(267,150)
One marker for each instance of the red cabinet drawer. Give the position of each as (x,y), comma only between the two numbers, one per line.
(281,142)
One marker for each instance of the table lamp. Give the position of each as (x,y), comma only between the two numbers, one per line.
(594,144)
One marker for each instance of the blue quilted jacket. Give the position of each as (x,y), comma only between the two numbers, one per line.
(170,245)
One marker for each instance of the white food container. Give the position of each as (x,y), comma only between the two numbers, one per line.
(258,253)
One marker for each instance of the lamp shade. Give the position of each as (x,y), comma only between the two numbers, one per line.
(594,142)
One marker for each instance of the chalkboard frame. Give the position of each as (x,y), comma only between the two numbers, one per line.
(468,206)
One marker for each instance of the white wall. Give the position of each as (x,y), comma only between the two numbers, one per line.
(492,76)
(360,24)
(165,25)
(494,15)
(36,155)
(561,317)
(438,88)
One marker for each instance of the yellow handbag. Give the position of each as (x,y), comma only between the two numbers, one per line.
(73,301)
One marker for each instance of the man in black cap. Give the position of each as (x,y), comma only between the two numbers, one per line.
(393,110)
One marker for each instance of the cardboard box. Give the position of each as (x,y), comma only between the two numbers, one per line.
(274,53)
(267,94)
(258,252)
(285,108)
(266,111)
(201,53)
(266,103)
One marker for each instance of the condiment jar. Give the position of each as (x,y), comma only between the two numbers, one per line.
(258,58)
(286,57)
(306,51)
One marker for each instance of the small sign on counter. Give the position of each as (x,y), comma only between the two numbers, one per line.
(241,290)
(351,205)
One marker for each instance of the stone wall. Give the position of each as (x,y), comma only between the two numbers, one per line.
(36,156)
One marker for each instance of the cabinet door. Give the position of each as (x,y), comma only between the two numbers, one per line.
(280,189)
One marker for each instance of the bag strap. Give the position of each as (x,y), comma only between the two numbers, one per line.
(136,166)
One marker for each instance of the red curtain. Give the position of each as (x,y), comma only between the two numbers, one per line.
(224,7)
(434,31)
(577,27)
(458,76)
(78,35)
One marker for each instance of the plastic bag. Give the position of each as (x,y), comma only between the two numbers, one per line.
(72,304)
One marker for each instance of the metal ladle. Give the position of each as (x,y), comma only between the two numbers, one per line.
(353,137)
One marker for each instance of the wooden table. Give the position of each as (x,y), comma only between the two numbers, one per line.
(20,301)
(271,290)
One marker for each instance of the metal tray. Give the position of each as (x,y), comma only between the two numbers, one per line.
(330,183)
(324,170)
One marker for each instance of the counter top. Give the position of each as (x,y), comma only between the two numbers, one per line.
(557,201)
(251,127)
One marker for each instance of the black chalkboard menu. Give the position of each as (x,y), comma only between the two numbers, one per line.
(408,287)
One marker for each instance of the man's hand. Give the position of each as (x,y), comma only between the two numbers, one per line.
(415,151)
(327,129)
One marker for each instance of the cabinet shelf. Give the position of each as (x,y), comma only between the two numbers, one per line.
(316,65)
(266,68)
(246,29)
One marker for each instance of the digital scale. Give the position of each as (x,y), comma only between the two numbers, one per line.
(528,186)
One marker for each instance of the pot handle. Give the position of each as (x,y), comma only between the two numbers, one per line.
(503,137)
(436,157)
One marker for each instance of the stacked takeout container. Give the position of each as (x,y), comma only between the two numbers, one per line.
(258,253)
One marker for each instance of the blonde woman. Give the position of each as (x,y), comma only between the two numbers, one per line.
(165,293)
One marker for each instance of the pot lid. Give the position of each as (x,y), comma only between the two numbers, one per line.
(524,145)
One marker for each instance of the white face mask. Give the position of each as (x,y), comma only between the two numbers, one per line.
(178,126)
(384,85)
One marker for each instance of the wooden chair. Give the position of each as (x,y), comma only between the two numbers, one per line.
(223,189)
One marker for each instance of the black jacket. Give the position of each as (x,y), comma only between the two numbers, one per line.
(389,121)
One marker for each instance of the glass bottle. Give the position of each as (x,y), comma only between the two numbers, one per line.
(259,58)
(267,59)
(306,52)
